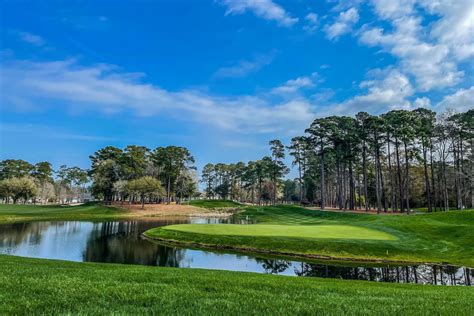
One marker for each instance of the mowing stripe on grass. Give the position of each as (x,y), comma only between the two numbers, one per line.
(296,231)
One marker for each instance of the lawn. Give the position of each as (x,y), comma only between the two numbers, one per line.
(214,203)
(36,286)
(89,211)
(443,237)
(298,231)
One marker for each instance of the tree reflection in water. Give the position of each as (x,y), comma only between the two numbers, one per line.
(421,274)
(121,242)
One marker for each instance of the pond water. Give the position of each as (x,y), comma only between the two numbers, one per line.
(121,242)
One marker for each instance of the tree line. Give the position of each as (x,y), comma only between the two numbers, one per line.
(389,162)
(21,181)
(138,174)
(134,174)
(395,161)
(379,161)
(258,181)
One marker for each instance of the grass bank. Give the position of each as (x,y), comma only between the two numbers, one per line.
(445,237)
(210,204)
(89,211)
(93,211)
(35,286)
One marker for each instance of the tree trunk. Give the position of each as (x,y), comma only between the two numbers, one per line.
(433,187)
(322,175)
(407,175)
(168,189)
(399,174)
(364,171)
(427,180)
(392,180)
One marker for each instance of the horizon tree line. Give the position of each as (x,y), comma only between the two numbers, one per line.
(137,173)
(257,182)
(23,181)
(382,161)
(390,162)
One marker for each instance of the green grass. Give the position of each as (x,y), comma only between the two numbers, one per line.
(36,286)
(298,231)
(444,237)
(89,211)
(214,203)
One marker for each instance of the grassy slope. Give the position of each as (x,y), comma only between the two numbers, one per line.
(214,203)
(439,237)
(56,287)
(88,211)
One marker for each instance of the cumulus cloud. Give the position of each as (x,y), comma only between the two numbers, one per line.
(455,28)
(422,102)
(343,24)
(265,9)
(387,89)
(462,100)
(103,88)
(428,52)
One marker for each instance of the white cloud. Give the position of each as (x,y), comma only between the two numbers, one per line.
(455,28)
(429,63)
(102,88)
(388,89)
(312,22)
(266,9)
(462,100)
(343,24)
(391,9)
(245,67)
(294,85)
(422,102)
(32,39)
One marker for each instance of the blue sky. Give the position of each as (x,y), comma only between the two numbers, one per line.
(219,77)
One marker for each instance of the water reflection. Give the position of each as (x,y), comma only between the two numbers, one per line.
(121,242)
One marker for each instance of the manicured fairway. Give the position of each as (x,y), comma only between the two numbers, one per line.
(317,231)
(214,203)
(35,286)
(88,211)
(445,237)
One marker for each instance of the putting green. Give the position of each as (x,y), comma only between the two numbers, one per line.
(295,231)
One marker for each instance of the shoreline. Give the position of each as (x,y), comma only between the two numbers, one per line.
(290,255)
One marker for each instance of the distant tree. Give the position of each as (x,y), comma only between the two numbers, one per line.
(15,168)
(121,189)
(43,175)
(134,162)
(425,132)
(146,186)
(171,161)
(299,150)
(208,178)
(23,188)
(105,171)
(277,168)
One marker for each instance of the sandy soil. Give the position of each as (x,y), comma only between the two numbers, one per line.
(170,210)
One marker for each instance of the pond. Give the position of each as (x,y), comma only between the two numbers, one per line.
(121,242)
